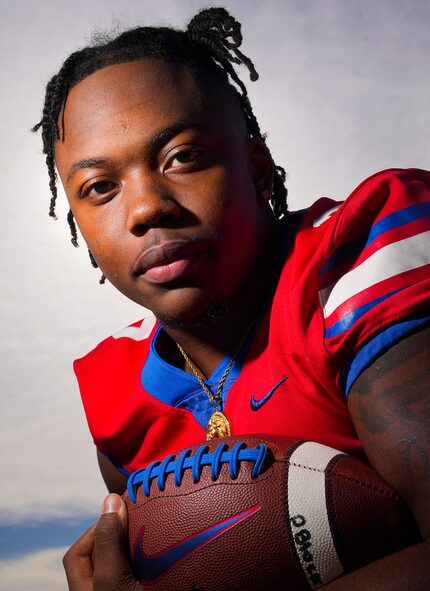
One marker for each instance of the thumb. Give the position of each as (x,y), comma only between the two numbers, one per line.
(112,568)
(113,503)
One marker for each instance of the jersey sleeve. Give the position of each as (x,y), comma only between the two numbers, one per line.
(109,383)
(129,425)
(374,285)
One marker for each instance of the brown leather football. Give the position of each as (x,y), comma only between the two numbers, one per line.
(260,512)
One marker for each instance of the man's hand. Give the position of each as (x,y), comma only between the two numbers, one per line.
(99,560)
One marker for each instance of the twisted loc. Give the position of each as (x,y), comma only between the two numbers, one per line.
(214,27)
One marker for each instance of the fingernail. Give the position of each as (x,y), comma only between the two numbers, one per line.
(112,504)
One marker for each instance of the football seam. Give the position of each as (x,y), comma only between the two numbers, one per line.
(231,482)
(373,487)
(332,512)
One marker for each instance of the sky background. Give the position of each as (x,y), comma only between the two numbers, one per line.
(343,92)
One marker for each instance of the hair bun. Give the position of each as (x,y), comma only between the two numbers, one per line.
(217,24)
(219,31)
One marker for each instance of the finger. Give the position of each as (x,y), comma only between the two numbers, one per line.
(112,568)
(78,564)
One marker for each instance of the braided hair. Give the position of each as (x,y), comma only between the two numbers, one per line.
(208,47)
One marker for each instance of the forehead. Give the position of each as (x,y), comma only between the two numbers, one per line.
(150,92)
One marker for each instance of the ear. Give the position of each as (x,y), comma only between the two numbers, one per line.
(262,167)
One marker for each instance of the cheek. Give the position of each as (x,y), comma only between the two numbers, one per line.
(240,231)
(241,210)
(101,233)
(224,197)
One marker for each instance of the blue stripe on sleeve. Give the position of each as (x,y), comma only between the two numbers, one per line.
(394,220)
(398,218)
(347,320)
(343,253)
(371,350)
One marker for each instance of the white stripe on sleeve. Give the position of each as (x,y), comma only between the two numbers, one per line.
(393,259)
(137,333)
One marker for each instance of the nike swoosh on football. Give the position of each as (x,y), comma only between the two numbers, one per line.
(257,404)
(147,568)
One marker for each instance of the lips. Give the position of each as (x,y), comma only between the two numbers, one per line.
(169,261)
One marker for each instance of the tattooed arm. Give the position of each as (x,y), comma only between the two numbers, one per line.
(390,407)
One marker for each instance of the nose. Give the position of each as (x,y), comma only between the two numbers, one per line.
(149,205)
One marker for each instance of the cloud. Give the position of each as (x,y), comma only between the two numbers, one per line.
(20,539)
(40,571)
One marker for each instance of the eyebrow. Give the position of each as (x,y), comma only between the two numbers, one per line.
(164,135)
(87,163)
(157,140)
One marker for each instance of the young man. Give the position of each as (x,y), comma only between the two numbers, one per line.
(264,321)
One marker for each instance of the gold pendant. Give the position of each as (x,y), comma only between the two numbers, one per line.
(218,426)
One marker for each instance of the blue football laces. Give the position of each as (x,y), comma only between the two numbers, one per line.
(185,461)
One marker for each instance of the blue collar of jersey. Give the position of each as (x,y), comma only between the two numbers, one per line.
(179,389)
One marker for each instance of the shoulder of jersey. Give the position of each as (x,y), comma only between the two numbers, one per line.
(373,265)
(138,331)
(387,187)
(123,347)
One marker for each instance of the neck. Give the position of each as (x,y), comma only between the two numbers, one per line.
(208,343)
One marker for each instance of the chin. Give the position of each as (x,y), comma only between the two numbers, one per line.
(215,310)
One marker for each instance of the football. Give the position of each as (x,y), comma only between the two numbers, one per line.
(259,512)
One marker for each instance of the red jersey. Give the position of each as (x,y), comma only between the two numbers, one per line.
(355,280)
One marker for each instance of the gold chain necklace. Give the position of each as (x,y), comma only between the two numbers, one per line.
(219,424)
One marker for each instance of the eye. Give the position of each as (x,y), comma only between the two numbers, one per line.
(185,156)
(184,159)
(99,189)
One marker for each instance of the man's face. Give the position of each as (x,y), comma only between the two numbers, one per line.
(163,184)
